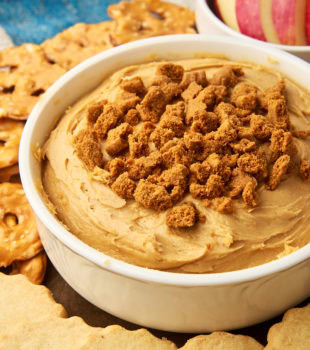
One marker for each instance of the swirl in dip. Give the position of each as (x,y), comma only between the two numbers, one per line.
(194,166)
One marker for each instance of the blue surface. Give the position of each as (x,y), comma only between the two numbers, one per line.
(36,20)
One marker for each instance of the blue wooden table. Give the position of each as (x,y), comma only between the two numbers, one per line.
(36,20)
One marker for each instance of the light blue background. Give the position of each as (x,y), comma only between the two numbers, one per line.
(36,20)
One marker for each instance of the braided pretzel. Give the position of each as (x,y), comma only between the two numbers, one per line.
(19,239)
(10,133)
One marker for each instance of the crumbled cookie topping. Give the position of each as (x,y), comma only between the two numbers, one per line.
(218,139)
(180,216)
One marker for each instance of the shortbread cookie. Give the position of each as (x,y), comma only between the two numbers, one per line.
(293,333)
(34,268)
(19,238)
(31,320)
(77,43)
(222,341)
(140,19)
(21,300)
(10,134)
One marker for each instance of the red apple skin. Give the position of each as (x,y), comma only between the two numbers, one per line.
(308,22)
(248,17)
(283,15)
(289,18)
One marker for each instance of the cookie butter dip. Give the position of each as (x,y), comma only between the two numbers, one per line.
(196,166)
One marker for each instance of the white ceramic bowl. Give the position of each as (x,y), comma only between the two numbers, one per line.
(162,300)
(208,23)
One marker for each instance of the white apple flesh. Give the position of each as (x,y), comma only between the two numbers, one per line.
(226,11)
(267,22)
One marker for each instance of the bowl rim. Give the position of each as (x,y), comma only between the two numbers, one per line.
(205,8)
(114,265)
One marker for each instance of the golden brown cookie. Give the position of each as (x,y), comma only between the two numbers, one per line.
(34,269)
(77,43)
(293,332)
(10,174)
(30,319)
(19,239)
(10,134)
(222,341)
(29,75)
(140,19)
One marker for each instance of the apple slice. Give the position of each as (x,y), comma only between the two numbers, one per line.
(226,11)
(267,22)
(308,22)
(248,17)
(289,19)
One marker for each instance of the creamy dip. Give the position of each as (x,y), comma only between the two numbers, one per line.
(125,230)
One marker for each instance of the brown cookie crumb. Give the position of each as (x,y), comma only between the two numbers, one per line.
(139,140)
(152,196)
(226,133)
(108,119)
(194,109)
(249,195)
(213,188)
(194,142)
(275,103)
(124,186)
(88,148)
(201,171)
(175,152)
(134,85)
(279,169)
(244,96)
(161,136)
(280,143)
(126,101)
(181,135)
(95,110)
(227,76)
(239,180)
(117,140)
(243,146)
(261,130)
(198,76)
(172,71)
(230,160)
(175,181)
(116,166)
(204,122)
(305,170)
(132,117)
(191,92)
(152,105)
(173,119)
(142,167)
(250,163)
(275,92)
(181,216)
(212,94)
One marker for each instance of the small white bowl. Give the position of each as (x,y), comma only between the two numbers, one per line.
(162,300)
(208,23)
